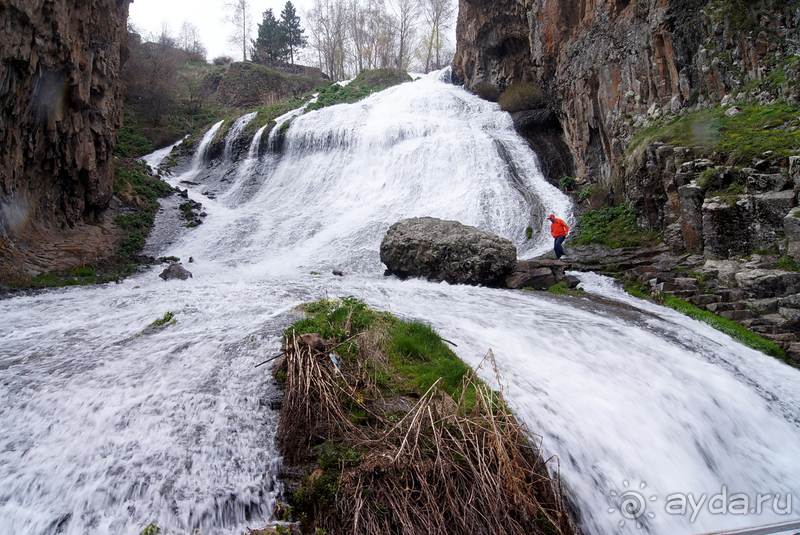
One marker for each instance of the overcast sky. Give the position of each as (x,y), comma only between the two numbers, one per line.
(207,15)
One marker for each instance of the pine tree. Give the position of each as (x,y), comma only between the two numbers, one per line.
(270,44)
(292,32)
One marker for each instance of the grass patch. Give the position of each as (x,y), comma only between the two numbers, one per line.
(166,319)
(361,87)
(731,328)
(520,96)
(753,131)
(787,264)
(613,227)
(562,288)
(383,444)
(487,91)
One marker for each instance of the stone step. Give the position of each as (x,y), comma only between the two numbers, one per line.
(723,307)
(705,299)
(737,315)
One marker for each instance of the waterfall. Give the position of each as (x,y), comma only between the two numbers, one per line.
(234,131)
(110,425)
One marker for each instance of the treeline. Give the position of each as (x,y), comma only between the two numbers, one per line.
(346,36)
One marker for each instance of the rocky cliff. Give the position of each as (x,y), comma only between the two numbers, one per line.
(612,66)
(61,107)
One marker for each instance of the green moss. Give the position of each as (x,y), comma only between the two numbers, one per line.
(787,264)
(751,132)
(529,232)
(613,227)
(562,288)
(166,319)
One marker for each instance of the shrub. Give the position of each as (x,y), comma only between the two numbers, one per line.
(487,91)
(529,232)
(567,183)
(223,60)
(520,96)
(586,192)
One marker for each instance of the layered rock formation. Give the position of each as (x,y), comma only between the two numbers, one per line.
(609,67)
(61,107)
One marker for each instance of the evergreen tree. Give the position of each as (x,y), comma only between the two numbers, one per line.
(270,44)
(292,32)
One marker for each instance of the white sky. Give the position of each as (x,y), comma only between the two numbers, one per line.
(208,16)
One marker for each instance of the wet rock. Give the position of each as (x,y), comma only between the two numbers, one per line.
(338,273)
(761,283)
(447,251)
(536,274)
(175,271)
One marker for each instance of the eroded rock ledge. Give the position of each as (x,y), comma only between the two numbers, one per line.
(61,105)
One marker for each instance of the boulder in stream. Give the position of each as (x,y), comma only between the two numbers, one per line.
(449,251)
(175,271)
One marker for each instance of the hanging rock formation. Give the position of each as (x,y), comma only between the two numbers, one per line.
(61,107)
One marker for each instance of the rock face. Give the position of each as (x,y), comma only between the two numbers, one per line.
(61,107)
(609,67)
(447,251)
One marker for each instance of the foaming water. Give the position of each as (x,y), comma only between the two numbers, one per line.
(109,426)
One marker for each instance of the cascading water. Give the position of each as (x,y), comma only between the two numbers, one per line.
(109,425)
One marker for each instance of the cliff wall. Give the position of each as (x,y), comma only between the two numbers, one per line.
(60,104)
(609,67)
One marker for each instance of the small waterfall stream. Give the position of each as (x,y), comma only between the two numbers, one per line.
(110,425)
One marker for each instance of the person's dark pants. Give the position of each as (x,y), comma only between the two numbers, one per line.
(557,246)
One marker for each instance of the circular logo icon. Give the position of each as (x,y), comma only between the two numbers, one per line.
(631,504)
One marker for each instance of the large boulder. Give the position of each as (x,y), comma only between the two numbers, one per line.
(447,251)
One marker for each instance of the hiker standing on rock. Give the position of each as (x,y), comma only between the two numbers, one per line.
(559,230)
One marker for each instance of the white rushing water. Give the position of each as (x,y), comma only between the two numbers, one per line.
(109,426)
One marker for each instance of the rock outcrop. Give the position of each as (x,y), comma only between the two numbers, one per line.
(61,108)
(447,251)
(608,68)
(247,85)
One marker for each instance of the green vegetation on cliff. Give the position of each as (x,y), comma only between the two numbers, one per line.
(393,432)
(362,86)
(613,227)
(736,133)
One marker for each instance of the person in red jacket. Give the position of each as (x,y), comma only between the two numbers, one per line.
(559,230)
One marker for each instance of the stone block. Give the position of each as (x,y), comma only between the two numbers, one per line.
(691,199)
(761,283)
(791,227)
(705,299)
(726,228)
(794,170)
(738,315)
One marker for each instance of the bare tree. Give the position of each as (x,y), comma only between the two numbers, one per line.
(189,41)
(327,23)
(438,16)
(238,15)
(406,16)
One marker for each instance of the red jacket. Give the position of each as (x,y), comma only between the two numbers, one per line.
(558,228)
